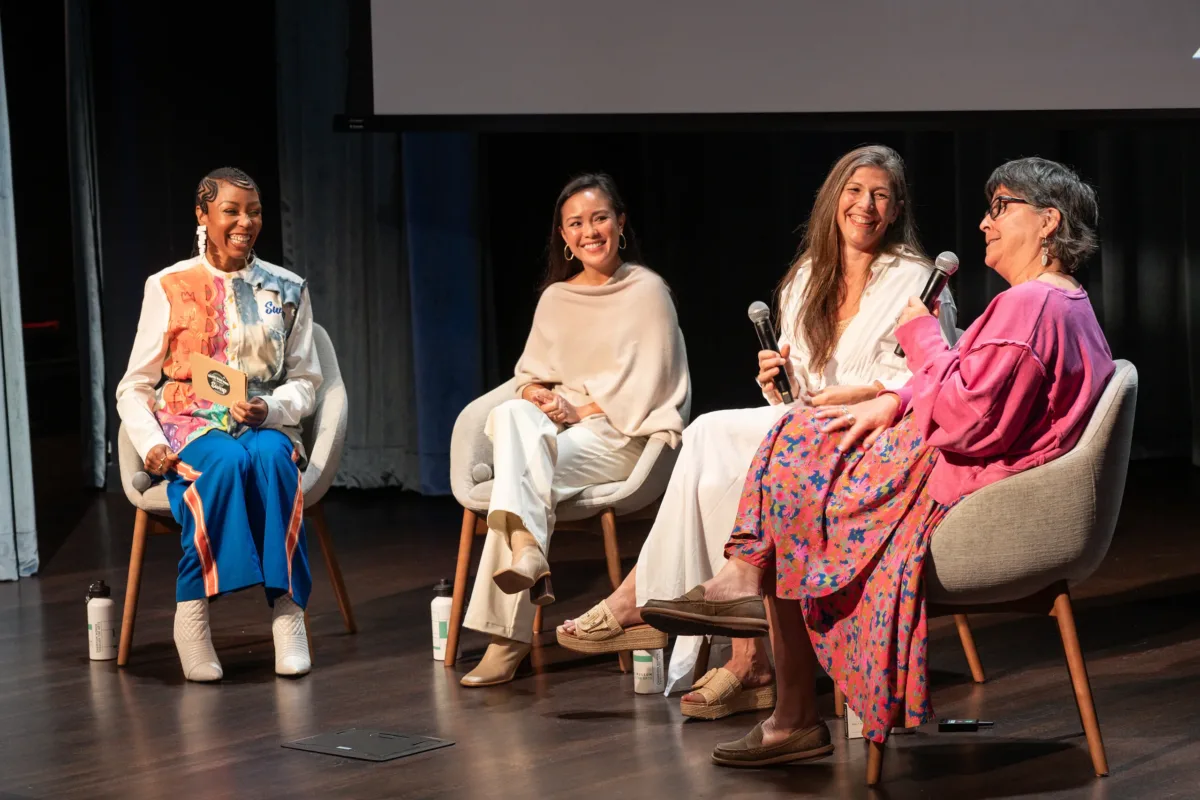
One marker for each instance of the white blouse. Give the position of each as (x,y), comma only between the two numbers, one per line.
(865,353)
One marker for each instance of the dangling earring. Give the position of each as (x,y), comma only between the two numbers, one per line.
(1045,253)
(621,243)
(567,254)
(201,238)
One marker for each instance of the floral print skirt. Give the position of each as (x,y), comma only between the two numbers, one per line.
(846,534)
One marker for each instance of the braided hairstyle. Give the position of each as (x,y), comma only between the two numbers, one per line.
(210,184)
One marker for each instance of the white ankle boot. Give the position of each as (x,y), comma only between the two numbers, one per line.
(291,639)
(193,640)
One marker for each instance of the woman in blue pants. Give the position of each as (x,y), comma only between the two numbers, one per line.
(233,472)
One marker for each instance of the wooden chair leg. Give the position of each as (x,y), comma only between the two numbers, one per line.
(1079,680)
(317,515)
(968,646)
(839,702)
(537,621)
(702,659)
(612,552)
(612,557)
(874,762)
(466,538)
(133,585)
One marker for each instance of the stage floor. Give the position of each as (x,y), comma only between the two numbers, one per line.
(573,729)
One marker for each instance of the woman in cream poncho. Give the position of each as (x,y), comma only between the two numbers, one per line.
(604,368)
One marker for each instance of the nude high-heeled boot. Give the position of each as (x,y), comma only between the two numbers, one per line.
(528,570)
(499,664)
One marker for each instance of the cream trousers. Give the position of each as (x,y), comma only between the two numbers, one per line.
(535,468)
(686,546)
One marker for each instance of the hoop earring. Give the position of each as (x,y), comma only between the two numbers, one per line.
(621,243)
(567,254)
(1045,253)
(201,238)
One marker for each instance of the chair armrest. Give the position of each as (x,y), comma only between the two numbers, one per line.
(649,479)
(469,445)
(328,425)
(130,463)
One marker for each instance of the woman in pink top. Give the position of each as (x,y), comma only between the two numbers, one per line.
(839,505)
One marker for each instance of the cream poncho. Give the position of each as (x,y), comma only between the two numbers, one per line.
(617,345)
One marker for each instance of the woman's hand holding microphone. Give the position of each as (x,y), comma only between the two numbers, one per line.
(769,365)
(161,460)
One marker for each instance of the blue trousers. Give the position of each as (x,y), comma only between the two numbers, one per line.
(241,507)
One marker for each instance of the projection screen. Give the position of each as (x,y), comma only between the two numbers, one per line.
(480,57)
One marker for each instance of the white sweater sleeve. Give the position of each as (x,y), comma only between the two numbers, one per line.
(135,392)
(296,397)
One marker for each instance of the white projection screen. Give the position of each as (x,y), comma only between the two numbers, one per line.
(513,57)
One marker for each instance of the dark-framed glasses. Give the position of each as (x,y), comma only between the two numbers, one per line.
(1000,204)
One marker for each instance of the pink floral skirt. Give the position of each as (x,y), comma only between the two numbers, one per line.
(847,535)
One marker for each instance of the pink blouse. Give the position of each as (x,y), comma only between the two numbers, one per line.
(1015,392)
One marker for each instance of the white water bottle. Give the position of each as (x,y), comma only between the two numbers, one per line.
(102,623)
(649,677)
(439,610)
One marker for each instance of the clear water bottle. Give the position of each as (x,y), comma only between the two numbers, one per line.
(102,623)
(439,610)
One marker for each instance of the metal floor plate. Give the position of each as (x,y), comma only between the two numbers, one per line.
(368,745)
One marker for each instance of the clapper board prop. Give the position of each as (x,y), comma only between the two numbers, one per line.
(368,745)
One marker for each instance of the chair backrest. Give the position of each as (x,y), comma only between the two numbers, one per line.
(1048,523)
(331,378)
(324,433)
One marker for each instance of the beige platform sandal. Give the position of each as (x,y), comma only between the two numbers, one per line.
(724,696)
(597,631)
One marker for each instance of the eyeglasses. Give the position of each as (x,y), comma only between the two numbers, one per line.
(1001,202)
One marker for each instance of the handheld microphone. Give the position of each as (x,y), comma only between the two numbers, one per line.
(945,265)
(760,315)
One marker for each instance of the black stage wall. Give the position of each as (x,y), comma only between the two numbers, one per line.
(717,212)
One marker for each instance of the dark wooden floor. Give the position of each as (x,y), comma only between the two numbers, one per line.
(574,729)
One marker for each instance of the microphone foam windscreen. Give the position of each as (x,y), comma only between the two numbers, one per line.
(142,481)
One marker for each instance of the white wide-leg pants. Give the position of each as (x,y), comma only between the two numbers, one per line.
(686,546)
(535,467)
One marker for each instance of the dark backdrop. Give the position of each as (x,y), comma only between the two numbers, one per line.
(717,212)
(173,101)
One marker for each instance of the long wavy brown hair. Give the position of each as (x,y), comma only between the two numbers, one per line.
(822,246)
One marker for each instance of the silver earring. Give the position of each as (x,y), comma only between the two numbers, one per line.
(201,238)
(1045,253)
(622,244)
(567,254)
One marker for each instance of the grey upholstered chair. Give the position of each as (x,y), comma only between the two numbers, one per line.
(470,470)
(1019,544)
(324,436)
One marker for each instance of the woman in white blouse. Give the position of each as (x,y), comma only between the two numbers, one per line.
(233,469)
(857,266)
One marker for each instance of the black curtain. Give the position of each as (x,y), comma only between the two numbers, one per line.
(718,214)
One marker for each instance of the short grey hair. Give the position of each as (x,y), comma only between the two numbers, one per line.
(1048,184)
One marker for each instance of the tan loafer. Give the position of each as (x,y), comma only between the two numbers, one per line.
(499,664)
(749,751)
(692,615)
